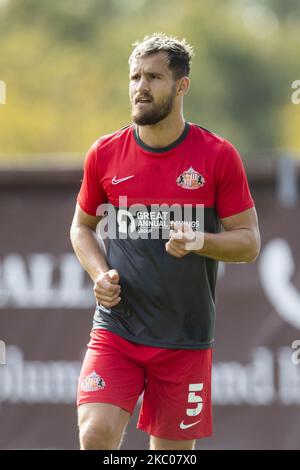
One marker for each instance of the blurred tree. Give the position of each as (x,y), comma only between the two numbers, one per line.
(65,66)
(284,9)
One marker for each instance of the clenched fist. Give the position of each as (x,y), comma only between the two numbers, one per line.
(183,239)
(107,289)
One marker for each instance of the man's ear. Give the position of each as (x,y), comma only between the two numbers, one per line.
(183,85)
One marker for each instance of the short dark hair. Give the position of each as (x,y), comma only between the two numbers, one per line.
(179,52)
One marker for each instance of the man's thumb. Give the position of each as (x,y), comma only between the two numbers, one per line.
(113,275)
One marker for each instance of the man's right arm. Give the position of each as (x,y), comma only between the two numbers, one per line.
(92,258)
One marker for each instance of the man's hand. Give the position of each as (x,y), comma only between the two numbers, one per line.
(107,289)
(183,239)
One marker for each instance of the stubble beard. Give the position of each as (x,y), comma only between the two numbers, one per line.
(155,114)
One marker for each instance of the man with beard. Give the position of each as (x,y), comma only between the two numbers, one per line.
(153,327)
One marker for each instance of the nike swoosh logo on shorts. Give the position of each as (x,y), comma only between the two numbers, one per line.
(115,181)
(186,426)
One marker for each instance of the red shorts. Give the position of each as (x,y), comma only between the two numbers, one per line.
(176,384)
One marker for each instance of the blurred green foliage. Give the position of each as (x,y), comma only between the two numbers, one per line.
(65,65)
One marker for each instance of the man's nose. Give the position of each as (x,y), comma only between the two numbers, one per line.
(142,84)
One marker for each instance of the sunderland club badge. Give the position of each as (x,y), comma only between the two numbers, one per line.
(190,179)
(92,383)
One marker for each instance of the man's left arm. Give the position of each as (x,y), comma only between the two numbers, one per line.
(238,243)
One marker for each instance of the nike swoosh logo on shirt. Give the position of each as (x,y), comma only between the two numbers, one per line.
(115,181)
(186,426)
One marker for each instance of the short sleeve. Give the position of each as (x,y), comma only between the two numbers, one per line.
(91,194)
(232,189)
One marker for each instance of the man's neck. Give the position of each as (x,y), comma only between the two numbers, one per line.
(163,133)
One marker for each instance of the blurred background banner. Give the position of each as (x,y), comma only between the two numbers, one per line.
(46,308)
(64,83)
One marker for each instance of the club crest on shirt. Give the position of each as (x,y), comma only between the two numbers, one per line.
(190,179)
(92,383)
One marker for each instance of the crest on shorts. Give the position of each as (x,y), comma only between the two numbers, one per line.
(190,179)
(92,383)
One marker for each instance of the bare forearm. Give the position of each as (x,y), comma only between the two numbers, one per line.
(88,251)
(234,246)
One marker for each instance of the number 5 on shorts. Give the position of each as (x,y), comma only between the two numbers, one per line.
(193,398)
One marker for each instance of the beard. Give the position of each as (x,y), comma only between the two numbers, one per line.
(153,113)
